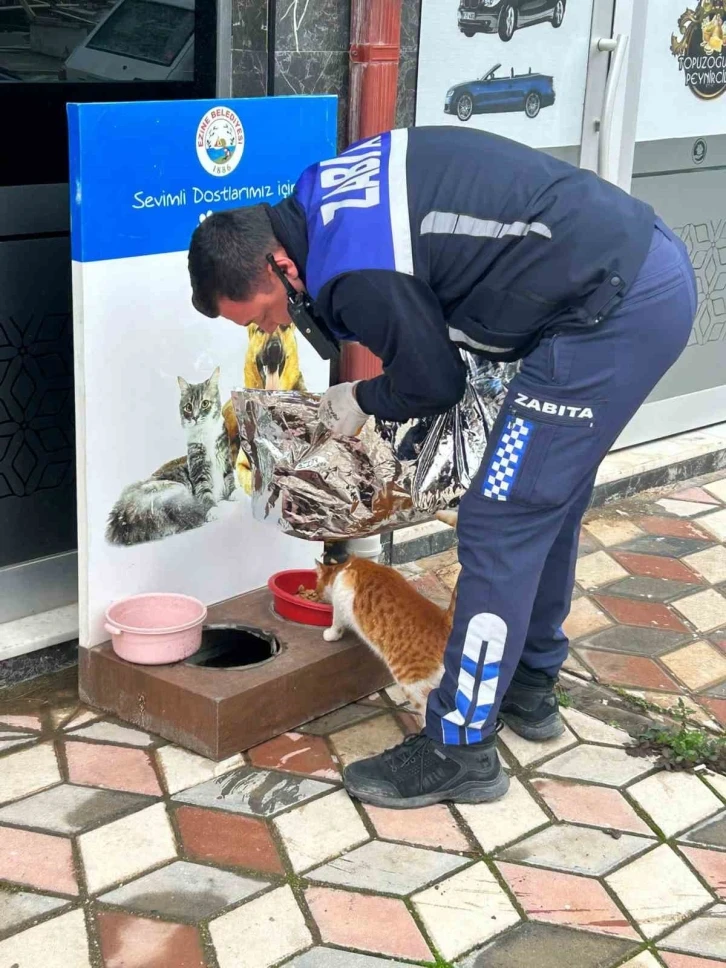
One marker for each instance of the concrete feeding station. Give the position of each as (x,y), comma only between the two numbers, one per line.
(219,712)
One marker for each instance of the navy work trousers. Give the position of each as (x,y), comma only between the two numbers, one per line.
(519,522)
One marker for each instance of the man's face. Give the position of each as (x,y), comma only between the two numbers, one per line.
(267,307)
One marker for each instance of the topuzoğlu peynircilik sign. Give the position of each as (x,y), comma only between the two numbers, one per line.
(153,376)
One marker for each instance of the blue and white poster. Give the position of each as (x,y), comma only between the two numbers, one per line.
(153,376)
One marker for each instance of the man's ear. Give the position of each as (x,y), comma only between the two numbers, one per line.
(285,263)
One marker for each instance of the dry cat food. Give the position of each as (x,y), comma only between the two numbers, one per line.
(309,594)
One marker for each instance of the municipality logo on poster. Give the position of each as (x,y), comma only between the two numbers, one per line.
(220,141)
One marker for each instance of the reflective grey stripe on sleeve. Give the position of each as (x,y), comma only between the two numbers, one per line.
(458,336)
(449,223)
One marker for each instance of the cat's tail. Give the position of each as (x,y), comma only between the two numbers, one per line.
(153,509)
(448,517)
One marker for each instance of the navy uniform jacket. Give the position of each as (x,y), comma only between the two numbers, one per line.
(420,241)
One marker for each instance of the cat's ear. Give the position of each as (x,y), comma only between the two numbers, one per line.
(183,385)
(319,567)
(214,378)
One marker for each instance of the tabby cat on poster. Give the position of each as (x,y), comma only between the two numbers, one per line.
(183,493)
(409,632)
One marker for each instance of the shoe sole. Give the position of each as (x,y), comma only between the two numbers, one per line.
(549,728)
(466,793)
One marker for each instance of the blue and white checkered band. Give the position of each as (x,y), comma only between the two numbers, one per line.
(506,462)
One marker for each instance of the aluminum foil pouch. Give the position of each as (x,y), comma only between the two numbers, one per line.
(323,488)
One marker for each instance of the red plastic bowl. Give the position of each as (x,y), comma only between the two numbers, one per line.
(289,605)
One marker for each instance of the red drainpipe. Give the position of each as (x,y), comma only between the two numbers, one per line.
(375,48)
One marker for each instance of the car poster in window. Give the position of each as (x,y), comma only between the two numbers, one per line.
(514,67)
(684,67)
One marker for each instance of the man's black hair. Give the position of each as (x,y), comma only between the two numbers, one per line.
(227,256)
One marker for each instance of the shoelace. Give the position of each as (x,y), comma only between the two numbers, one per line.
(401,755)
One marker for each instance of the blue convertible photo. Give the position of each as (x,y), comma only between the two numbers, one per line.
(490,94)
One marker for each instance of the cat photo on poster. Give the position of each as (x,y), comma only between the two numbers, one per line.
(187,491)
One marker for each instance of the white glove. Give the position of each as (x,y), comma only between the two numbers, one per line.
(339,411)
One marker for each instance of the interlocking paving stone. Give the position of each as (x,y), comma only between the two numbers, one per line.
(697,665)
(717,708)
(597,764)
(182,769)
(644,960)
(584,619)
(32,723)
(367,739)
(258,793)
(27,772)
(382,925)
(68,809)
(566,899)
(717,489)
(184,891)
(228,838)
(598,569)
(426,827)
(633,640)
(671,527)
(658,890)
(127,847)
(388,868)
(595,806)
(611,531)
(650,589)
(683,508)
(527,752)
(465,910)
(711,865)
(61,942)
(499,823)
(579,850)
(261,932)
(335,958)
(647,614)
(675,801)
(688,961)
(112,733)
(651,544)
(711,564)
(112,767)
(712,832)
(706,610)
(549,946)
(339,719)
(715,523)
(17,908)
(627,670)
(594,730)
(704,936)
(14,741)
(298,753)
(128,941)
(656,566)
(317,831)
(37,860)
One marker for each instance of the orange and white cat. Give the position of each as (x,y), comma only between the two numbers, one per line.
(409,632)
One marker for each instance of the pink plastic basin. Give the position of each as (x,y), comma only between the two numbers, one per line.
(156,629)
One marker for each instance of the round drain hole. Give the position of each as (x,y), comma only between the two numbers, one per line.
(234,647)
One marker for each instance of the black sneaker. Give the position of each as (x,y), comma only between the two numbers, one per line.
(420,771)
(530,706)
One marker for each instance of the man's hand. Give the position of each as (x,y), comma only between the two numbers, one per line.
(339,411)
